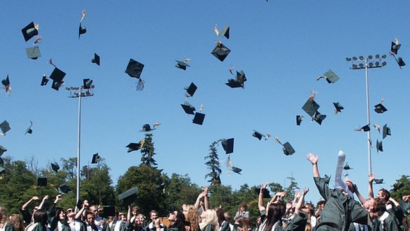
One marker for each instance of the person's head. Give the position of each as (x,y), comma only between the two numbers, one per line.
(70,212)
(379,207)
(209,217)
(94,210)
(3,215)
(192,217)
(321,204)
(310,207)
(17,222)
(384,195)
(220,215)
(40,216)
(120,216)
(90,216)
(60,214)
(135,210)
(274,213)
(153,215)
(369,204)
(242,224)
(139,220)
(227,216)
(243,207)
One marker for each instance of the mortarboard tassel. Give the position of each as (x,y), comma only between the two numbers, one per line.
(51,62)
(377,126)
(83,17)
(156,124)
(140,84)
(38,40)
(231,68)
(216,30)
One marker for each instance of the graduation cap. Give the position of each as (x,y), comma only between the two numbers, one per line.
(87,83)
(134,68)
(134,146)
(327,179)
(287,147)
(310,107)
(44,80)
(347,167)
(338,107)
(2,150)
(379,108)
(95,158)
(377,127)
(400,62)
(223,32)
(96,59)
(299,119)
(190,90)
(33,52)
(57,76)
(129,196)
(319,117)
(29,130)
(6,84)
(259,135)
(55,167)
(265,192)
(395,46)
(147,127)
(365,128)
(220,51)
(108,211)
(378,181)
(188,108)
(182,64)
(30,31)
(63,189)
(198,118)
(379,146)
(81,30)
(227,145)
(41,181)
(330,77)
(236,170)
(386,131)
(239,81)
(5,127)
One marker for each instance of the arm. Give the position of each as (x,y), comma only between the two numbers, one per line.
(81,211)
(313,160)
(260,198)
(361,198)
(206,201)
(42,202)
(129,213)
(198,200)
(371,179)
(301,201)
(34,198)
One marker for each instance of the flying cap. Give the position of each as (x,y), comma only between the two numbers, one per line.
(365,128)
(224,32)
(236,170)
(87,83)
(395,46)
(81,30)
(190,90)
(108,211)
(147,128)
(265,192)
(41,181)
(400,62)
(220,51)
(134,68)
(378,181)
(182,64)
(239,81)
(134,146)
(33,52)
(379,108)
(63,189)
(227,145)
(5,127)
(57,76)
(299,119)
(55,167)
(2,150)
(259,135)
(95,158)
(379,146)
(44,80)
(29,130)
(129,196)
(386,131)
(310,107)
(330,77)
(338,107)
(6,83)
(29,31)
(319,117)
(198,118)
(96,59)
(347,167)
(288,149)
(188,108)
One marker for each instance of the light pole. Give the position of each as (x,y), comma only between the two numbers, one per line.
(80,92)
(366,63)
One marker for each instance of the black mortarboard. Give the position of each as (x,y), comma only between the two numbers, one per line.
(258,135)
(395,46)
(236,170)
(44,80)
(29,130)
(338,107)
(5,127)
(29,31)
(2,150)
(379,146)
(227,145)
(108,211)
(55,167)
(129,196)
(327,179)
(6,83)
(33,52)
(347,167)
(379,108)
(288,149)
(41,181)
(400,62)
(63,189)
(57,76)
(191,89)
(319,117)
(134,68)
(239,81)
(96,59)
(81,30)
(147,128)
(181,65)
(265,192)
(188,108)
(224,32)
(310,107)
(386,131)
(133,147)
(378,181)
(221,51)
(299,119)
(87,83)
(95,158)
(365,128)
(198,118)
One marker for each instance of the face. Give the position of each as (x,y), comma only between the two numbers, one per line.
(243,208)
(380,195)
(95,211)
(90,218)
(139,221)
(369,204)
(70,212)
(154,216)
(172,217)
(61,215)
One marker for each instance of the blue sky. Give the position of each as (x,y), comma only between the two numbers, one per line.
(282,46)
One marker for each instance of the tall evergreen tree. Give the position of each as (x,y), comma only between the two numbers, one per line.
(148,151)
(213,165)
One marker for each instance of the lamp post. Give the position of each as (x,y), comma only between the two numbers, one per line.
(80,92)
(366,63)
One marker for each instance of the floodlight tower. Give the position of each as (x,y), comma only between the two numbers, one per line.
(80,92)
(365,63)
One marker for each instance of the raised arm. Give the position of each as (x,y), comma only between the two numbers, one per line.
(313,160)
(81,211)
(41,205)
(34,198)
(198,200)
(129,213)
(206,201)
(361,198)
(371,179)
(261,206)
(301,201)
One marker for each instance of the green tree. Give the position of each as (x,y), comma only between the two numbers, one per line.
(213,164)
(148,151)
(400,188)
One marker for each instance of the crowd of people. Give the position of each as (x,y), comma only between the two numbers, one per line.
(338,211)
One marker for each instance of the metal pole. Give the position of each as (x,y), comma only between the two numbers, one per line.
(79,144)
(369,147)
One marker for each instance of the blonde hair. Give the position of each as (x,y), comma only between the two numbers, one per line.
(210,219)
(3,213)
(192,217)
(17,221)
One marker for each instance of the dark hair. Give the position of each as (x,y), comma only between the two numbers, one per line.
(274,214)
(379,206)
(385,193)
(243,205)
(180,222)
(220,214)
(40,216)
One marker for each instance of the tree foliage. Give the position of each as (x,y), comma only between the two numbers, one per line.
(148,151)
(213,164)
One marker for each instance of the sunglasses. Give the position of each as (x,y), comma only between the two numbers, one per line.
(69,210)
